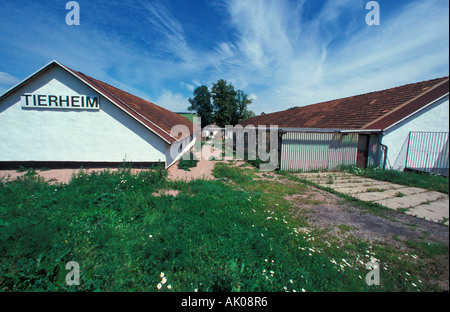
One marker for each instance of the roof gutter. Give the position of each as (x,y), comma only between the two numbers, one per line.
(385,148)
(361,131)
(320,130)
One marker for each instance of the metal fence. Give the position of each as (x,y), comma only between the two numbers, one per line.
(426,152)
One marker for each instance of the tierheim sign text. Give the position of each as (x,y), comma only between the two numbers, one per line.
(60,101)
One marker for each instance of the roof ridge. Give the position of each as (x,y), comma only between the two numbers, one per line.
(446,79)
(363,111)
(363,94)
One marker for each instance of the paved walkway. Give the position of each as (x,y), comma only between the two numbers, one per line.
(422,203)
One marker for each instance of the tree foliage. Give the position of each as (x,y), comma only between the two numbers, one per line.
(201,104)
(222,105)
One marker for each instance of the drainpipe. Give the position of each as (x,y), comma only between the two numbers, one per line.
(385,148)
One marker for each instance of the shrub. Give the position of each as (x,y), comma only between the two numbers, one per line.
(189,163)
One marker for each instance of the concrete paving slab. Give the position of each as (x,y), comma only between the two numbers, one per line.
(410,201)
(347,179)
(437,211)
(433,206)
(391,193)
(367,184)
(358,189)
(364,188)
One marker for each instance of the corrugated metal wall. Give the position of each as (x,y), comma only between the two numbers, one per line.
(307,151)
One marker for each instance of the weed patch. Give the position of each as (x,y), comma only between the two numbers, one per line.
(128,234)
(187,164)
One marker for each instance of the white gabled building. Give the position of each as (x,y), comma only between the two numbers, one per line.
(62,117)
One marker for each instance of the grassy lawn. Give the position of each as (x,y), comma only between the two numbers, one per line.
(236,233)
(188,116)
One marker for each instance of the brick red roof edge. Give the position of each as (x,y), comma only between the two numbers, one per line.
(158,119)
(375,110)
(411,107)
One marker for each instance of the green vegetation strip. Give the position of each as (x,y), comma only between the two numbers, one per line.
(232,234)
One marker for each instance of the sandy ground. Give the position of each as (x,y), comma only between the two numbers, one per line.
(54,175)
(202,171)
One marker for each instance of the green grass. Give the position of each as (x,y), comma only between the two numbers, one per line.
(231,234)
(189,117)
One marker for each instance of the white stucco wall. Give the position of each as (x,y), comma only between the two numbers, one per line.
(434,118)
(175,151)
(105,135)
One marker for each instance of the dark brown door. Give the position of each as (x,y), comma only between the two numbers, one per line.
(363,150)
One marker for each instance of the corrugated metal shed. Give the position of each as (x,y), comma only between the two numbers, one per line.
(308,151)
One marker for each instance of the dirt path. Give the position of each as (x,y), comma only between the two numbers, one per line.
(202,171)
(204,167)
(343,218)
(425,204)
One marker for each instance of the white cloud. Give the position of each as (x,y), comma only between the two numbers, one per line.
(7,81)
(6,78)
(304,62)
(273,51)
(172,101)
(167,25)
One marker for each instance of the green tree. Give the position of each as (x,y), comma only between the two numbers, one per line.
(225,104)
(201,104)
(242,112)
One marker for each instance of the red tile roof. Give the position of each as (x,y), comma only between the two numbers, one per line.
(375,110)
(157,118)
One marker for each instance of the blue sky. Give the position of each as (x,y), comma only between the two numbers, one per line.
(283,53)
